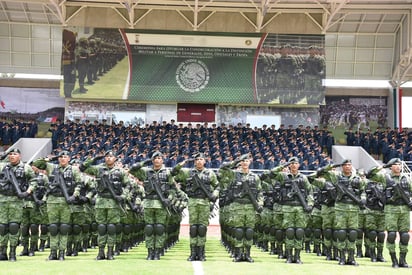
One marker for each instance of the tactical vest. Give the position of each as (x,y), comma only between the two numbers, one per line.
(68,181)
(268,198)
(6,186)
(392,196)
(375,196)
(352,185)
(193,188)
(160,178)
(41,186)
(241,186)
(327,194)
(289,196)
(113,177)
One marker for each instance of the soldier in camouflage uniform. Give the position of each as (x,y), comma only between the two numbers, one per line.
(398,190)
(112,184)
(17,181)
(346,206)
(297,203)
(245,194)
(159,189)
(82,62)
(62,192)
(202,188)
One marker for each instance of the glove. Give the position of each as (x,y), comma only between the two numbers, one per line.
(213,198)
(308,209)
(362,203)
(71,200)
(119,199)
(23,195)
(84,199)
(259,209)
(40,202)
(93,201)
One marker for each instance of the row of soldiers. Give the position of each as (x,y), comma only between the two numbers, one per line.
(273,207)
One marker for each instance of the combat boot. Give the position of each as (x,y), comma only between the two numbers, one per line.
(42,245)
(32,249)
(12,254)
(316,250)
(379,256)
(25,251)
(280,251)
(116,251)
(372,255)
(247,256)
(272,248)
(100,255)
(402,260)
(157,253)
(351,258)
(69,250)
(61,255)
(289,257)
(297,257)
(359,251)
(110,253)
(341,257)
(335,254)
(394,260)
(85,245)
(3,253)
(328,253)
(53,255)
(238,255)
(192,256)
(150,254)
(201,253)
(75,250)
(307,246)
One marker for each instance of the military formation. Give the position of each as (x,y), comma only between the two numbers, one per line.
(69,206)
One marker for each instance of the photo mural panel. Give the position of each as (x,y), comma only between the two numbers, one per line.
(193,67)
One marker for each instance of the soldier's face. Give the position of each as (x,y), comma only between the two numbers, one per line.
(110,160)
(157,162)
(347,168)
(396,168)
(14,158)
(199,163)
(64,160)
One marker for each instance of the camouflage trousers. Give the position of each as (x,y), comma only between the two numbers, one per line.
(10,213)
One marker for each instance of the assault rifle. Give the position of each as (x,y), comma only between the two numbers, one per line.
(60,181)
(296,191)
(343,190)
(105,180)
(398,189)
(153,181)
(246,189)
(379,195)
(12,178)
(199,182)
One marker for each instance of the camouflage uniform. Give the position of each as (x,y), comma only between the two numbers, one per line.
(11,203)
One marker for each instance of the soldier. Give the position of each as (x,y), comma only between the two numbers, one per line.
(112,183)
(159,190)
(62,191)
(245,194)
(17,182)
(82,62)
(350,189)
(297,201)
(398,190)
(201,186)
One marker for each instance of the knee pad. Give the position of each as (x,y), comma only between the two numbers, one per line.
(279,235)
(317,233)
(308,232)
(272,231)
(327,233)
(193,230)
(86,228)
(101,229)
(14,228)
(127,229)
(266,229)
(352,235)
(391,237)
(24,230)
(77,229)
(159,229)
(201,230)
(53,229)
(34,229)
(404,238)
(65,229)
(239,233)
(359,233)
(149,229)
(4,229)
(111,229)
(94,226)
(372,235)
(341,235)
(290,233)
(44,229)
(119,228)
(381,237)
(249,233)
(300,233)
